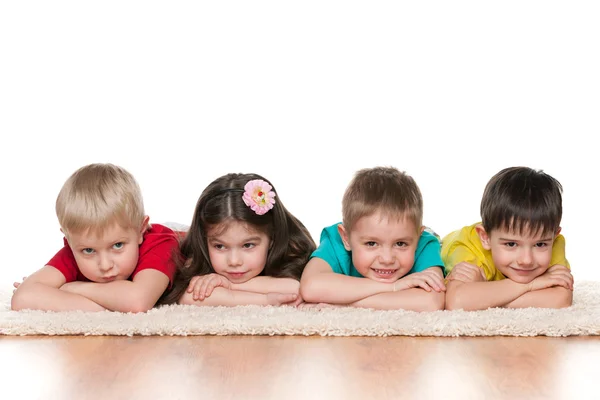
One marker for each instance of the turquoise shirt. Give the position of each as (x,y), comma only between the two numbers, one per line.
(332,250)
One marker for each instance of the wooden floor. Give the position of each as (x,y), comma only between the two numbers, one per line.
(285,368)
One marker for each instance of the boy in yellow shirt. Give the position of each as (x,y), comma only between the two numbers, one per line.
(516,256)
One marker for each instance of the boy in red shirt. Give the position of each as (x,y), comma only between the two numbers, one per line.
(112,258)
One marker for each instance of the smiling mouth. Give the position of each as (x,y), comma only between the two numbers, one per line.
(523,271)
(384,272)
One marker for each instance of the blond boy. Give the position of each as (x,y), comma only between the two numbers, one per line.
(112,258)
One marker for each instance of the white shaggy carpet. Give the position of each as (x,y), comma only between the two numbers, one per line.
(583,318)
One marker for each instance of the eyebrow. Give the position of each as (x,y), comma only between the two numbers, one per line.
(248,239)
(87,246)
(516,240)
(375,239)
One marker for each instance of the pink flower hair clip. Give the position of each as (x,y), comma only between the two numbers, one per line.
(259,196)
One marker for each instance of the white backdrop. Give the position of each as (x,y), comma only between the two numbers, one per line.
(304,94)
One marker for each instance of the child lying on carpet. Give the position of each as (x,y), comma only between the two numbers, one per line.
(516,256)
(243,247)
(383,240)
(112,258)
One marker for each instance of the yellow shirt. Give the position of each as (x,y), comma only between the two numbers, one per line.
(465,245)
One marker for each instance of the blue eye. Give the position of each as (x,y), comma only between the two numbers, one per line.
(118,246)
(87,251)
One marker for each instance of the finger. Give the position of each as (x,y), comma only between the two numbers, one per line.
(210,285)
(192,284)
(564,276)
(198,289)
(205,285)
(284,298)
(208,289)
(424,285)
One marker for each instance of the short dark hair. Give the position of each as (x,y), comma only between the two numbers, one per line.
(522,199)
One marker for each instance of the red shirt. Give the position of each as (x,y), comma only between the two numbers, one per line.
(156,252)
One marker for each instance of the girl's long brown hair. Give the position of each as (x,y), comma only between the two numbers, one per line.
(291,243)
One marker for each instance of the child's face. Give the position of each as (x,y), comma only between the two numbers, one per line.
(237,252)
(520,258)
(109,257)
(383,249)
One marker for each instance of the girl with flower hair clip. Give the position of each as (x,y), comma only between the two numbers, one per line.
(243,247)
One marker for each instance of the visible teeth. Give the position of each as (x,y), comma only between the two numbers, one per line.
(384,271)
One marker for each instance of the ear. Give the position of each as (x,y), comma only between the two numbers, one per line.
(483,236)
(557,231)
(143,229)
(421,230)
(345,237)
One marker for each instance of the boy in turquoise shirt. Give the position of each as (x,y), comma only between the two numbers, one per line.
(382,239)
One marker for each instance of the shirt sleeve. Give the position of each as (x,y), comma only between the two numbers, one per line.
(428,255)
(159,251)
(326,251)
(559,253)
(64,261)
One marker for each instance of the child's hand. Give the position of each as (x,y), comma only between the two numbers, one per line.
(428,280)
(467,273)
(203,285)
(557,275)
(278,299)
(17,284)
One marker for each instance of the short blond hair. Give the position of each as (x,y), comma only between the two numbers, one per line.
(385,190)
(98,195)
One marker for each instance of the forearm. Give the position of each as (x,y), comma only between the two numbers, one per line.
(123,296)
(268,284)
(415,299)
(554,297)
(482,295)
(37,296)
(226,297)
(340,289)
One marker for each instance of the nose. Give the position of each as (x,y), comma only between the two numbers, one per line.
(234,259)
(386,256)
(105,263)
(525,258)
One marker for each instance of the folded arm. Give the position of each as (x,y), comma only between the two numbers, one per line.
(41,291)
(139,295)
(414,298)
(482,295)
(268,284)
(319,284)
(226,297)
(553,297)
(469,292)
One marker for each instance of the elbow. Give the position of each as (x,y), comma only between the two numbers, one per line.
(563,299)
(436,302)
(309,290)
(139,305)
(453,301)
(20,301)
